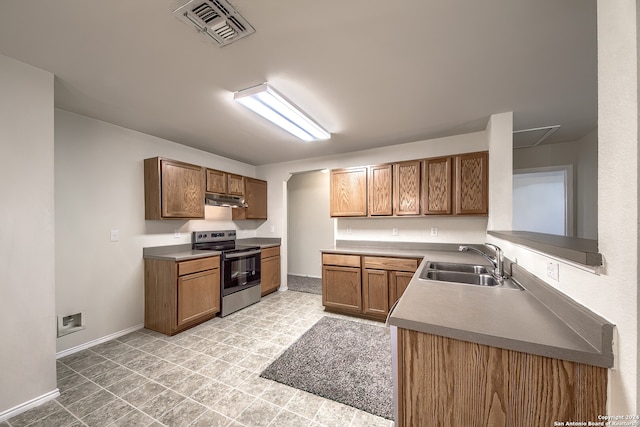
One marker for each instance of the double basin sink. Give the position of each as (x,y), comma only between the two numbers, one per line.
(466,274)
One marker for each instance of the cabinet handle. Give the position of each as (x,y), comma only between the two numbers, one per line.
(241,254)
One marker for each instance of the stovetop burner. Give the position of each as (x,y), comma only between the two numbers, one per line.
(223,241)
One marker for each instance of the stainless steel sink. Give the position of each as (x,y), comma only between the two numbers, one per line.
(465,274)
(461,268)
(458,277)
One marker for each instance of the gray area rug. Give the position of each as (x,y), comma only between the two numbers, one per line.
(341,360)
(312,285)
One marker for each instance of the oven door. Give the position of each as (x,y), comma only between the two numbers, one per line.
(240,270)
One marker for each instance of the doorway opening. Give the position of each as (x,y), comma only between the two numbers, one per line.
(543,200)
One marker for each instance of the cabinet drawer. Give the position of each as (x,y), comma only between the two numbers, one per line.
(200,264)
(269,252)
(397,264)
(337,259)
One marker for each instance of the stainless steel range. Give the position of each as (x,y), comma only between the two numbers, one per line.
(240,268)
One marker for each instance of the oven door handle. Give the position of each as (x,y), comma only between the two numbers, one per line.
(242,254)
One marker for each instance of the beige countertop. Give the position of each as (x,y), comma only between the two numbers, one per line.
(521,320)
(176,253)
(184,252)
(262,242)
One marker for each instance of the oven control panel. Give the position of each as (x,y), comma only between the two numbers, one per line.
(213,236)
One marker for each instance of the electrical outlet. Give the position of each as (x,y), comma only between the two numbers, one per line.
(553,270)
(115,235)
(394,231)
(273,229)
(176,234)
(348,230)
(434,231)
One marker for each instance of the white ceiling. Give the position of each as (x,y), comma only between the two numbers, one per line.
(373,73)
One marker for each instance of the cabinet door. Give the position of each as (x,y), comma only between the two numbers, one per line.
(235,184)
(256,198)
(472,178)
(269,275)
(198,295)
(375,289)
(348,188)
(341,288)
(216,181)
(437,189)
(380,190)
(398,282)
(182,190)
(406,192)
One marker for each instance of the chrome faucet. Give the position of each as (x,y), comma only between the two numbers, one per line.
(497,261)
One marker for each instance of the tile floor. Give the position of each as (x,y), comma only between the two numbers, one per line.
(206,376)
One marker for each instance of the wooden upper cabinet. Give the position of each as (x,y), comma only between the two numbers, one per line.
(406,188)
(437,186)
(235,184)
(256,199)
(380,190)
(216,181)
(173,189)
(348,188)
(472,178)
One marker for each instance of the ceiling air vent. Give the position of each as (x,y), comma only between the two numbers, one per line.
(217,19)
(532,137)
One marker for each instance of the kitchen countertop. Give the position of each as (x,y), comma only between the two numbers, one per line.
(536,320)
(176,253)
(263,242)
(184,252)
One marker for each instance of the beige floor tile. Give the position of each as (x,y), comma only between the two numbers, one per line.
(305,404)
(212,419)
(183,414)
(364,419)
(334,414)
(289,419)
(259,414)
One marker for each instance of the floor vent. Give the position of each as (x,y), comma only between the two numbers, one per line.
(216,19)
(526,138)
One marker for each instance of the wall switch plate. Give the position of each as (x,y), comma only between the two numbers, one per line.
(115,235)
(394,231)
(273,229)
(553,270)
(348,230)
(434,231)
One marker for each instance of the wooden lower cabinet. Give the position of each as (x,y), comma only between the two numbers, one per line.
(448,382)
(375,292)
(398,282)
(341,288)
(363,285)
(180,295)
(269,270)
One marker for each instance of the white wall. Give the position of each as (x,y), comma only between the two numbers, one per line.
(614,293)
(99,187)
(309,227)
(27,269)
(583,155)
(500,141)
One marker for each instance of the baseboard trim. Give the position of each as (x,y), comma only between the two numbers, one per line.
(305,275)
(24,407)
(95,342)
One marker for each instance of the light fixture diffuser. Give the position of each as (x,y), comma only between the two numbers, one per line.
(268,103)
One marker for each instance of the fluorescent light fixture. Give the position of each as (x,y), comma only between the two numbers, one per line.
(268,103)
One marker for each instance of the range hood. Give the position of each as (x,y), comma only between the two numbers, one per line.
(214,199)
